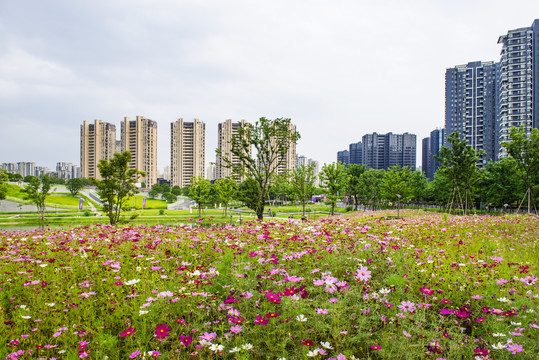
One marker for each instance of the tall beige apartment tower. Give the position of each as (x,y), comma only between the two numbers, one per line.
(225,131)
(187,151)
(97,141)
(289,161)
(139,137)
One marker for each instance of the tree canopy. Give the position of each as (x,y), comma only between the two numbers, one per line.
(271,140)
(117,184)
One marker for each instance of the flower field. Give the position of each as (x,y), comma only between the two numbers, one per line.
(364,287)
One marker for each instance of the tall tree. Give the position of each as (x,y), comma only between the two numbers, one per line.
(525,151)
(397,183)
(226,190)
(37,190)
(457,162)
(117,184)
(74,186)
(371,182)
(302,184)
(334,179)
(271,140)
(419,184)
(199,191)
(249,193)
(502,183)
(354,185)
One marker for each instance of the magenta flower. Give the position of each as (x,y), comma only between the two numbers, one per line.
(426,290)
(161,331)
(447,311)
(186,340)
(128,332)
(376,347)
(134,354)
(208,336)
(481,319)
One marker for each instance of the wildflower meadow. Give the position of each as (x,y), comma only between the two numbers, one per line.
(360,287)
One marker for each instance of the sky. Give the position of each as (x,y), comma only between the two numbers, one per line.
(338,69)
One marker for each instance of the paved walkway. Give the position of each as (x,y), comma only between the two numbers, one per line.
(13,206)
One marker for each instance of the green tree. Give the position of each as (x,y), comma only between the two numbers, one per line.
(14,177)
(153,194)
(271,140)
(280,187)
(419,184)
(165,187)
(200,191)
(397,182)
(502,183)
(302,184)
(74,186)
(117,184)
(169,197)
(37,191)
(29,178)
(157,188)
(176,190)
(249,193)
(334,179)
(525,151)
(371,182)
(3,184)
(354,188)
(226,190)
(457,162)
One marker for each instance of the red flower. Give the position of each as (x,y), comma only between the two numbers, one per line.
(307,342)
(128,332)
(376,347)
(270,315)
(445,301)
(161,331)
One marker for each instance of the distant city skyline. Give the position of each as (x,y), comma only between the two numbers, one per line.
(336,70)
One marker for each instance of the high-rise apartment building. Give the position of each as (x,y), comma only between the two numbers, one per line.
(139,137)
(356,153)
(470,106)
(518,81)
(382,151)
(301,160)
(26,168)
(97,141)
(288,163)
(343,157)
(187,148)
(431,148)
(225,131)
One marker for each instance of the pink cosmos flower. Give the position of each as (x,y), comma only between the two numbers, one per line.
(236,329)
(134,354)
(186,340)
(363,274)
(128,332)
(161,331)
(208,336)
(514,348)
(407,306)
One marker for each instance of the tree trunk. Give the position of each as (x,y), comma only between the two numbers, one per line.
(303,203)
(199,209)
(529,200)
(356,202)
(226,206)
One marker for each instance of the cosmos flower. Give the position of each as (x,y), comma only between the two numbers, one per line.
(162,331)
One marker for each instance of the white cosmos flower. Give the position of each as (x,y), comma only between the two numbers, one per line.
(301,318)
(132,282)
(247,346)
(142,312)
(326,344)
(498,346)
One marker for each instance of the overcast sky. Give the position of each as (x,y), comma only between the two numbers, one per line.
(338,69)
